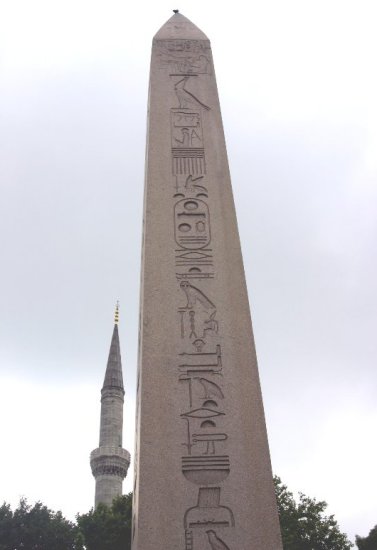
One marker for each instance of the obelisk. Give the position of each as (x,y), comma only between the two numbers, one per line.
(203,477)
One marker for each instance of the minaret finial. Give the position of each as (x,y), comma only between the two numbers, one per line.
(116,316)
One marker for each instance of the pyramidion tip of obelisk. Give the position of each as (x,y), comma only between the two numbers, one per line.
(178,26)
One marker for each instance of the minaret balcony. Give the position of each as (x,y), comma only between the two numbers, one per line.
(108,460)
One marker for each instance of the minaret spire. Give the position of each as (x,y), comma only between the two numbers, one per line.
(109,462)
(113,375)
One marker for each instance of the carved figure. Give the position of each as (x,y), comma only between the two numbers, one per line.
(208,512)
(191,186)
(211,325)
(199,344)
(188,138)
(210,439)
(201,64)
(194,295)
(192,324)
(210,389)
(215,542)
(185,98)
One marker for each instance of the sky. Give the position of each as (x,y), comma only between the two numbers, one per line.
(297,85)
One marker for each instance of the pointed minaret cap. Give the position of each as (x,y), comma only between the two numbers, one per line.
(113,376)
(179,27)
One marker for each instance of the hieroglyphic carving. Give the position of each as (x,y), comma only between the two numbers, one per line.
(199,364)
(190,186)
(182,313)
(192,232)
(195,295)
(208,511)
(192,324)
(215,542)
(190,377)
(187,136)
(210,389)
(199,344)
(194,273)
(189,543)
(199,307)
(191,57)
(205,470)
(210,439)
(199,257)
(202,412)
(186,129)
(197,264)
(189,161)
(186,99)
(211,325)
(205,462)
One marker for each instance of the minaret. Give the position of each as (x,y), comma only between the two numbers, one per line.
(203,477)
(109,462)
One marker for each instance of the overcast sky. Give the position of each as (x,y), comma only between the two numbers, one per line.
(298,87)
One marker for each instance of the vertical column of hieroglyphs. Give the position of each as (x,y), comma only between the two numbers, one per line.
(205,463)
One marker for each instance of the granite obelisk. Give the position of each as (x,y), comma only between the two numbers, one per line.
(203,477)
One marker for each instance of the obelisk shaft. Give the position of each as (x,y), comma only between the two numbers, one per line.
(202,468)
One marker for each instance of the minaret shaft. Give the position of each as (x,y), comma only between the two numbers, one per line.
(203,477)
(111,428)
(109,462)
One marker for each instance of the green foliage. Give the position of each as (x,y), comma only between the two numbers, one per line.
(108,528)
(304,525)
(369,542)
(34,528)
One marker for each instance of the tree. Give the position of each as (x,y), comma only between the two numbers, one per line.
(304,525)
(108,528)
(35,528)
(369,542)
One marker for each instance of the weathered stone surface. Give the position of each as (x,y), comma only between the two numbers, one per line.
(202,468)
(109,462)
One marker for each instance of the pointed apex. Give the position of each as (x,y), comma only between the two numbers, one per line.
(116,315)
(113,376)
(179,27)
